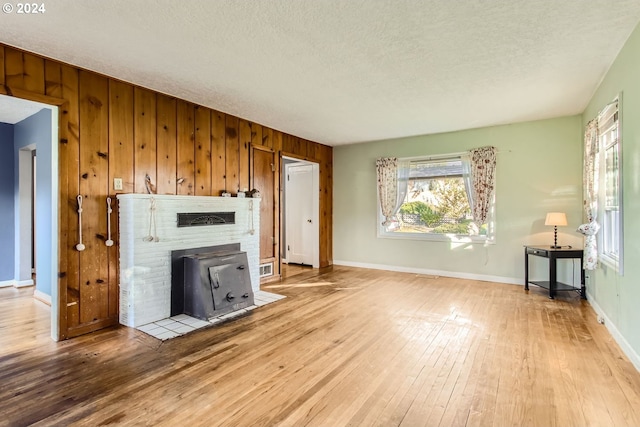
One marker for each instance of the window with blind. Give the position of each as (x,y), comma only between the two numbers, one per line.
(610,195)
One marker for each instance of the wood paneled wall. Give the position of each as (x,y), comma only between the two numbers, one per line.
(110,129)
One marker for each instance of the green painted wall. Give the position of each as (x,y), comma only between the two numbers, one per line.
(619,297)
(539,170)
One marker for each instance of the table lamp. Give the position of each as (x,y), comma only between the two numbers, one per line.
(556,219)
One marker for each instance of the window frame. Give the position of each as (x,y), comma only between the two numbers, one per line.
(609,257)
(489,238)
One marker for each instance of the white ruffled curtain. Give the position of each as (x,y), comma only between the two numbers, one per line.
(479,175)
(590,184)
(393,176)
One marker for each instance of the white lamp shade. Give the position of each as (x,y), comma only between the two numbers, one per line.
(556,218)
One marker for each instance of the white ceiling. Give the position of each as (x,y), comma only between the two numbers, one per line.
(14,110)
(344,71)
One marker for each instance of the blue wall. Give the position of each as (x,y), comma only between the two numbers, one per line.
(37,130)
(7,231)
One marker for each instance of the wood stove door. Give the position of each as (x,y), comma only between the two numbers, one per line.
(229,284)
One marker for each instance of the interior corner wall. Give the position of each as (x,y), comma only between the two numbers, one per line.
(36,130)
(7,232)
(539,170)
(618,297)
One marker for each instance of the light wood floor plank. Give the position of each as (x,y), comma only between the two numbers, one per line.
(347,347)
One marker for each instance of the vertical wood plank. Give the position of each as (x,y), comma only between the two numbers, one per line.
(294,145)
(329,215)
(2,63)
(14,68)
(276,144)
(203,151)
(121,159)
(53,81)
(167,145)
(145,161)
(94,96)
(276,140)
(113,283)
(287,143)
(267,137)
(121,145)
(245,133)
(263,180)
(256,134)
(326,205)
(275,211)
(185,127)
(312,150)
(218,152)
(69,176)
(33,73)
(232,165)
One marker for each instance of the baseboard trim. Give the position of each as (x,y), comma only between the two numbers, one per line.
(23,283)
(455,274)
(615,333)
(7,283)
(42,297)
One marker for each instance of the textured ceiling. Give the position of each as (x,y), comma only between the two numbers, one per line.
(344,71)
(14,110)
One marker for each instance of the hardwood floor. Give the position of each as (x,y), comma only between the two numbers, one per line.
(348,347)
(289,270)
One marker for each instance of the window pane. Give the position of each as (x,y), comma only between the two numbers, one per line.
(437,201)
(611,176)
(611,236)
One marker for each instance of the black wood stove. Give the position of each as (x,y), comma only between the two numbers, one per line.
(209,282)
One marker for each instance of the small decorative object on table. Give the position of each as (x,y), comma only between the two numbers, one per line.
(254,193)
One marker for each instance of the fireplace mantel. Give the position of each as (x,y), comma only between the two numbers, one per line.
(145,248)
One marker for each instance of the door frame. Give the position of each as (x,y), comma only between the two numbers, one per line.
(58,286)
(315,188)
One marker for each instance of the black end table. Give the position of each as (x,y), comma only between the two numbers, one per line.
(553,254)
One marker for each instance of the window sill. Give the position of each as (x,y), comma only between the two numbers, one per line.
(608,262)
(449,238)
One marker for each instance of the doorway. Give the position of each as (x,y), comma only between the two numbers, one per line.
(33,194)
(301,212)
(25,219)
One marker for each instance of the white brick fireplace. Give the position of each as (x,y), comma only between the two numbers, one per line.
(145,248)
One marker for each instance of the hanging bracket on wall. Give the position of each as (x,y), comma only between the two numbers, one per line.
(80,247)
(109,242)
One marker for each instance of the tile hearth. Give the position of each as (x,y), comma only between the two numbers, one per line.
(181,324)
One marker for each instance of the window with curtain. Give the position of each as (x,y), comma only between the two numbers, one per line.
(438,202)
(610,176)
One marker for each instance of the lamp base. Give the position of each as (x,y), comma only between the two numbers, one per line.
(555,238)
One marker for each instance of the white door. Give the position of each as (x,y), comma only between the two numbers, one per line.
(299,214)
